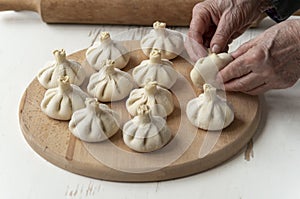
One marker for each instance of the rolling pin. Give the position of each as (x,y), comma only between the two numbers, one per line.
(127,12)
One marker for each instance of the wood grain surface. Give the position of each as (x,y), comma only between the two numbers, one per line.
(112,160)
(130,12)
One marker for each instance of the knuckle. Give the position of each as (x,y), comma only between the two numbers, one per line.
(268,72)
(196,9)
(258,55)
(242,70)
(199,9)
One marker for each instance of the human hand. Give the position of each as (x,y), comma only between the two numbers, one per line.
(216,23)
(272,60)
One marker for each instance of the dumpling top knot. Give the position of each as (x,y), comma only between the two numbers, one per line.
(60,56)
(64,80)
(210,92)
(143,110)
(109,67)
(151,88)
(64,83)
(155,56)
(159,25)
(104,36)
(92,102)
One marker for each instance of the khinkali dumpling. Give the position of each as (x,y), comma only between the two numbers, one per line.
(146,133)
(94,123)
(159,100)
(209,111)
(206,69)
(61,102)
(61,67)
(169,42)
(155,69)
(105,49)
(110,83)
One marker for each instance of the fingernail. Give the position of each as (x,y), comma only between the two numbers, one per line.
(216,48)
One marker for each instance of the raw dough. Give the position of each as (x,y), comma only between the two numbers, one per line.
(209,111)
(146,133)
(61,67)
(169,42)
(110,83)
(105,48)
(155,69)
(61,102)
(94,123)
(206,69)
(159,100)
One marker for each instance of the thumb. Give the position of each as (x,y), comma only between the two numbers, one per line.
(222,35)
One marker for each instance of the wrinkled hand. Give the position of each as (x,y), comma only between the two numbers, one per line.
(272,60)
(216,23)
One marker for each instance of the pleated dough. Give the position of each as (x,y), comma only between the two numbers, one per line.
(206,69)
(169,42)
(146,133)
(209,111)
(105,49)
(61,102)
(49,75)
(159,100)
(94,123)
(155,69)
(110,83)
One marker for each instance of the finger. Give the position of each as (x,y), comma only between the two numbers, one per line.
(200,22)
(245,83)
(222,35)
(259,90)
(243,49)
(196,36)
(207,36)
(235,69)
(194,49)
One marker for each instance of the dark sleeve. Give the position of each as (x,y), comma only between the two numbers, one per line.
(282,9)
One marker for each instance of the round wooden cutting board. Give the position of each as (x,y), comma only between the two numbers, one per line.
(190,151)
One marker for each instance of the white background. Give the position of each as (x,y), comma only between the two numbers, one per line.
(26,44)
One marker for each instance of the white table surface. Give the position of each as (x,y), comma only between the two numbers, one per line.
(26,44)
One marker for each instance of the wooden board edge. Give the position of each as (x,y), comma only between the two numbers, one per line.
(168,173)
